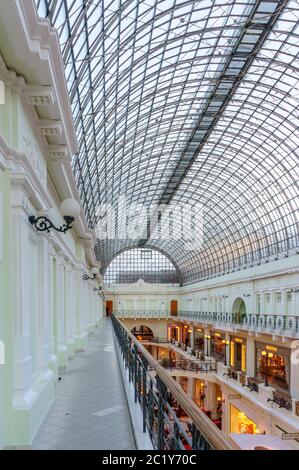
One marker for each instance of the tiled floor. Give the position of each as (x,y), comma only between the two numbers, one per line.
(90,410)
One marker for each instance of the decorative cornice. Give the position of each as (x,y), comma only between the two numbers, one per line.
(10,78)
(39,95)
(50,128)
(58,153)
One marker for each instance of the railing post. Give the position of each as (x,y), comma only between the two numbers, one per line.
(134,353)
(144,396)
(162,390)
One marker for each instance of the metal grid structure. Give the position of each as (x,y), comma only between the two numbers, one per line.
(140,263)
(188,101)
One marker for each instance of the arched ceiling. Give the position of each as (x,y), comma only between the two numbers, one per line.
(188,102)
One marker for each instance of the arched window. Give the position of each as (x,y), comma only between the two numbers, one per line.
(140,263)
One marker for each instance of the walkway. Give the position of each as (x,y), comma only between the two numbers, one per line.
(90,410)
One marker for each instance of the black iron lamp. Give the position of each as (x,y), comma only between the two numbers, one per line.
(94,271)
(70,207)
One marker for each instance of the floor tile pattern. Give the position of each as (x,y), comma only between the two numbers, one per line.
(90,409)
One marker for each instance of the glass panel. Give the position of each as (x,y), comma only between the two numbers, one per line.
(189,102)
(148,265)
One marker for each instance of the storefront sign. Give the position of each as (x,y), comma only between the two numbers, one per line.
(271,348)
(290,435)
(234,396)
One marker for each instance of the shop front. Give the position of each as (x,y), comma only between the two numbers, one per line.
(273,366)
(240,423)
(174,332)
(218,346)
(199,339)
(238,353)
(186,335)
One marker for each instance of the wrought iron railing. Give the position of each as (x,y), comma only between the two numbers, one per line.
(189,365)
(156,396)
(268,323)
(282,400)
(276,324)
(141,314)
(252,384)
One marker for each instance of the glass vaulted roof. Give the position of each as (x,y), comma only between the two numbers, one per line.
(186,103)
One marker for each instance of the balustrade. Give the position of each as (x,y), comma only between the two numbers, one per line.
(155,396)
(268,323)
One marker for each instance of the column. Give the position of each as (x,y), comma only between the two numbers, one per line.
(43,339)
(271,307)
(227,349)
(69,311)
(53,365)
(284,302)
(192,337)
(211,399)
(294,370)
(191,387)
(250,356)
(61,326)
(207,344)
(263,302)
(82,338)
(22,360)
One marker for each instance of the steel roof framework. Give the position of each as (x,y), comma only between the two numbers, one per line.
(188,102)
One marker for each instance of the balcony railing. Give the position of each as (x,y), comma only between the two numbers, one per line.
(189,366)
(155,394)
(264,323)
(274,324)
(141,314)
(283,401)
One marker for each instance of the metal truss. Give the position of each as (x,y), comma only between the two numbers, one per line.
(188,102)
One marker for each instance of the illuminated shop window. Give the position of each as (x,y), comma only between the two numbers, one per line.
(275,363)
(238,353)
(240,423)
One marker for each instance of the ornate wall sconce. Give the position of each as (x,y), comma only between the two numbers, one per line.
(69,207)
(94,271)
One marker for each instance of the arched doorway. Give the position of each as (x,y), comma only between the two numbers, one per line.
(143,333)
(174,308)
(109,308)
(239,309)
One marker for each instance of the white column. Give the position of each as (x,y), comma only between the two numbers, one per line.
(271,309)
(263,302)
(44,302)
(207,343)
(22,360)
(250,356)
(62,348)
(284,302)
(81,336)
(53,365)
(69,307)
(294,371)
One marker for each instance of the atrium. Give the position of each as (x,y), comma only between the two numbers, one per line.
(149,230)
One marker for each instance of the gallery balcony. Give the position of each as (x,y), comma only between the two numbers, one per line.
(283,325)
(276,324)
